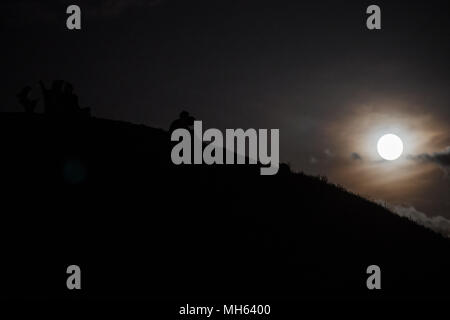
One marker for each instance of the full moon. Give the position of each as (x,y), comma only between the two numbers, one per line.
(390,147)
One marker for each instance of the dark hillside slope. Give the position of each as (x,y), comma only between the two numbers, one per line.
(104,195)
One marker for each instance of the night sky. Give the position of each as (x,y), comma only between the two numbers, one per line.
(311,69)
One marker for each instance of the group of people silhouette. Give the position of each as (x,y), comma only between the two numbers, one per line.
(59,100)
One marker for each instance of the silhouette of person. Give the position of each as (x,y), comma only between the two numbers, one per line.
(28,104)
(185,121)
(57,95)
(52,97)
(70,100)
(46,96)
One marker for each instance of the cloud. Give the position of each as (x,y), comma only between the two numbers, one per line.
(438,224)
(356,156)
(328,153)
(441,158)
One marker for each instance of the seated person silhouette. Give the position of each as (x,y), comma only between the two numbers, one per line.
(28,104)
(185,121)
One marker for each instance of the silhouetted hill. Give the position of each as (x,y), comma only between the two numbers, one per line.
(104,195)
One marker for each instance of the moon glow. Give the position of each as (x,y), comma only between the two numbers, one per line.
(390,147)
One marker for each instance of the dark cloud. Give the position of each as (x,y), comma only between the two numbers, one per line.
(356,156)
(441,158)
